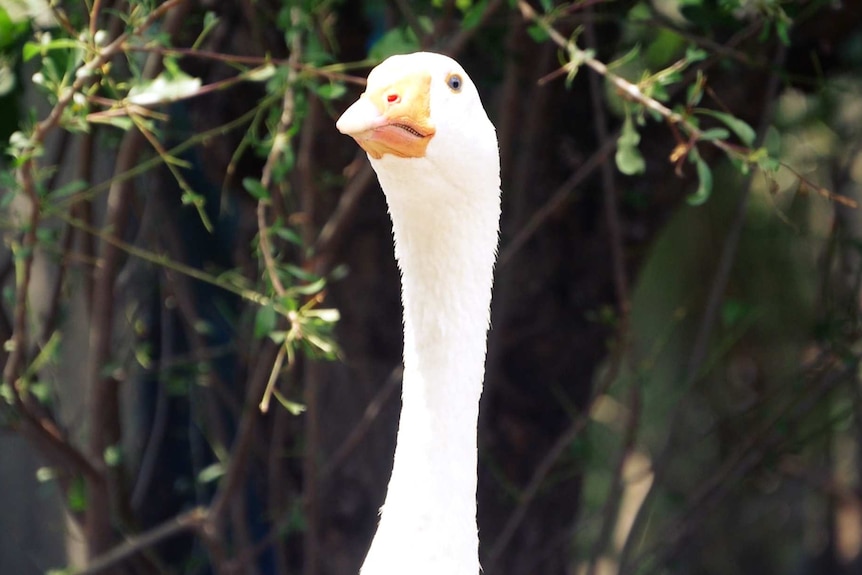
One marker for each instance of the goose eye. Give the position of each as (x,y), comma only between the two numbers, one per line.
(454,82)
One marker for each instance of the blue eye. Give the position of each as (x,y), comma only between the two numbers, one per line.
(454,82)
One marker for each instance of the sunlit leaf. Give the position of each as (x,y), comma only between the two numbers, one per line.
(113,455)
(164,89)
(327,315)
(261,74)
(211,472)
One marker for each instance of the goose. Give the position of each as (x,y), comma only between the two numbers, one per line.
(428,138)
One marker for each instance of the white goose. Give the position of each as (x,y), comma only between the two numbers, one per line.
(435,153)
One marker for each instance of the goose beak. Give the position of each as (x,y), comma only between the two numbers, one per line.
(393,120)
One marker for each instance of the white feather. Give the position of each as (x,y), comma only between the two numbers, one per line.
(445,210)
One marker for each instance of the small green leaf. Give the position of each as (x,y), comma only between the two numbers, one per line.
(264,321)
(628,158)
(782,29)
(255,188)
(113,455)
(473,15)
(166,87)
(629,56)
(69,189)
(10,29)
(396,41)
(327,314)
(739,127)
(714,134)
(261,74)
(331,91)
(768,164)
(293,407)
(537,33)
(311,288)
(694,92)
(694,54)
(46,474)
(211,472)
(287,234)
(324,345)
(30,50)
(704,176)
(300,273)
(76,495)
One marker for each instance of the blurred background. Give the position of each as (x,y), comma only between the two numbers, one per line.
(673,367)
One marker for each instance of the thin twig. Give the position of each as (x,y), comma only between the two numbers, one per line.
(280,141)
(188,521)
(557,199)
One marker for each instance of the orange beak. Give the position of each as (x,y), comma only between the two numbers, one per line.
(393,120)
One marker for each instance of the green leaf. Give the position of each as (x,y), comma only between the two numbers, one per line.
(255,188)
(261,74)
(287,234)
(628,158)
(264,321)
(473,15)
(739,127)
(331,91)
(782,29)
(293,407)
(694,54)
(629,56)
(76,495)
(113,455)
(311,288)
(704,176)
(694,92)
(300,273)
(329,315)
(166,87)
(768,164)
(537,33)
(69,189)
(10,30)
(211,472)
(714,134)
(396,41)
(324,345)
(30,50)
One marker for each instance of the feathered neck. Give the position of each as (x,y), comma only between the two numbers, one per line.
(446,231)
